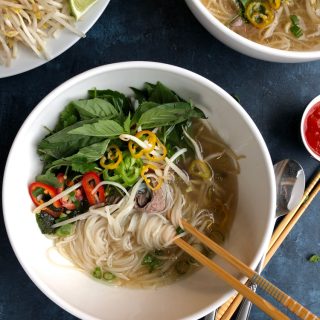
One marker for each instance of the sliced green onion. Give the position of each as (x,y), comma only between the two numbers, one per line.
(97,273)
(295,28)
(108,276)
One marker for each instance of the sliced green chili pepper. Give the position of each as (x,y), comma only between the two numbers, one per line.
(127,173)
(200,169)
(259,13)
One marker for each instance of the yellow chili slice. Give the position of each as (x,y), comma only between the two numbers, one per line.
(161,149)
(145,170)
(259,13)
(112,159)
(200,169)
(146,136)
(275,4)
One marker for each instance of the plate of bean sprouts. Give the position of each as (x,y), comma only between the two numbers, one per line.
(33,32)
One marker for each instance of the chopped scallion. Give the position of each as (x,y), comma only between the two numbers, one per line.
(295,28)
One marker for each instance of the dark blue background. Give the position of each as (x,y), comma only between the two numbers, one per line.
(273,94)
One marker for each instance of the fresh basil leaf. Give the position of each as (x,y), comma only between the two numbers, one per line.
(84,159)
(67,117)
(140,95)
(101,128)
(95,108)
(168,114)
(79,165)
(157,93)
(127,124)
(161,94)
(117,99)
(62,144)
(92,152)
(50,179)
(143,107)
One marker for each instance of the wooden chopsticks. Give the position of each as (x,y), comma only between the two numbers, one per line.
(254,277)
(226,311)
(264,305)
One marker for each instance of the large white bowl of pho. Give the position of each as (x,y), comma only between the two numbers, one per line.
(279,31)
(113,159)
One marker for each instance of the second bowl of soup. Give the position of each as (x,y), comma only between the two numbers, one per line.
(279,31)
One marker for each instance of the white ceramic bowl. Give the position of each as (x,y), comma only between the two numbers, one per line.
(243,45)
(190,298)
(303,126)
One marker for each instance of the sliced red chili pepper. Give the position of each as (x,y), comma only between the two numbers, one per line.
(89,181)
(70,202)
(60,177)
(39,192)
(67,201)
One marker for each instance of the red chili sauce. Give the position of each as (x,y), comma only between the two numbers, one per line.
(312,128)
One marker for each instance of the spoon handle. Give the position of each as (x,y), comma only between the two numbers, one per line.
(246,305)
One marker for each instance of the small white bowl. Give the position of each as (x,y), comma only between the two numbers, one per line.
(242,44)
(303,126)
(190,298)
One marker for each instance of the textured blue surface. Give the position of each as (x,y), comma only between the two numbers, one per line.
(273,94)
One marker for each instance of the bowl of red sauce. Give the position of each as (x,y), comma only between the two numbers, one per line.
(310,128)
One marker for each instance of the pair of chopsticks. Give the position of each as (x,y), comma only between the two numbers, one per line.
(227,310)
(253,276)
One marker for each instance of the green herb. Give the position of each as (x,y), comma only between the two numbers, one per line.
(37,192)
(67,117)
(295,28)
(108,276)
(179,230)
(62,144)
(117,99)
(65,230)
(157,93)
(244,2)
(50,179)
(83,160)
(168,114)
(97,273)
(95,108)
(143,107)
(45,222)
(127,124)
(151,261)
(101,128)
(314,258)
(236,97)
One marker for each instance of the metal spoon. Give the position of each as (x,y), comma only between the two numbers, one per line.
(290,184)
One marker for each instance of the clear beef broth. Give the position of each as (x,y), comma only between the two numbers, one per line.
(277,34)
(215,199)
(218,196)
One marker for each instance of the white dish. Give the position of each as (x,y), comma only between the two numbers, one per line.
(28,60)
(242,44)
(190,298)
(303,125)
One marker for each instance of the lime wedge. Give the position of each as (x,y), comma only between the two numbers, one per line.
(80,7)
